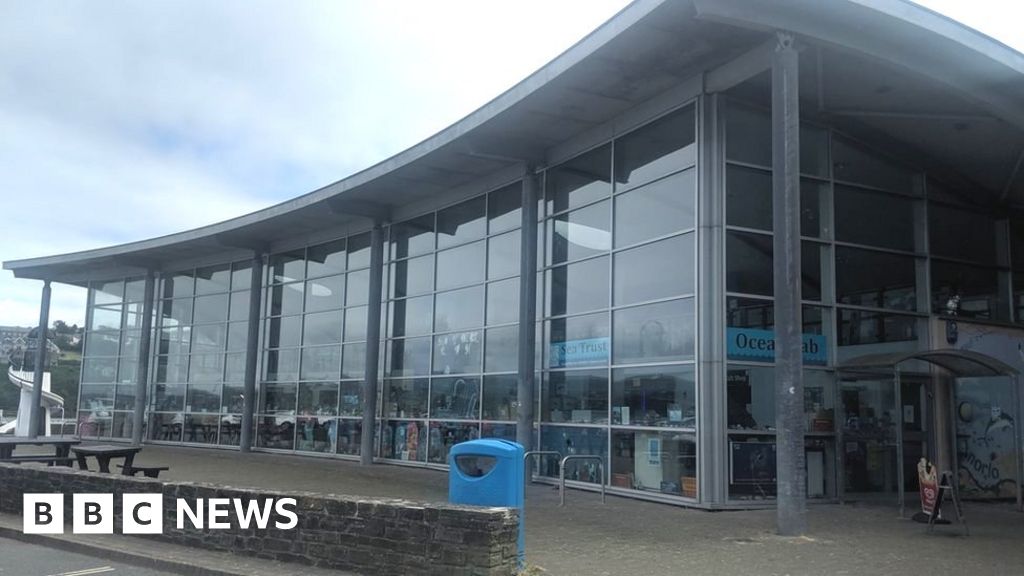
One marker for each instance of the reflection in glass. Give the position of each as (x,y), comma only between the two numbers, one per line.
(578,341)
(359,251)
(405,441)
(358,288)
(211,279)
(455,398)
(319,398)
(168,369)
(661,396)
(322,328)
(654,333)
(858,327)
(500,397)
(322,362)
(653,271)
(351,398)
(854,164)
(664,462)
(976,290)
(874,218)
(444,435)
(503,301)
(284,331)
(462,222)
(282,365)
(325,293)
(461,266)
(502,345)
(659,208)
(239,306)
(876,279)
(354,361)
(663,146)
(316,433)
(503,255)
(459,309)
(355,323)
(580,233)
(578,396)
(277,398)
(411,316)
(578,287)
(457,353)
(276,432)
(412,276)
(748,267)
(574,440)
(286,299)
(579,181)
(406,398)
(324,259)
(410,356)
(288,267)
(206,368)
(504,207)
(412,237)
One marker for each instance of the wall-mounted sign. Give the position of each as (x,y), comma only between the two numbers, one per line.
(579,352)
(756,344)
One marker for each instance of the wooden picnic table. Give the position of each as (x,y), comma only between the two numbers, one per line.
(61,445)
(103,455)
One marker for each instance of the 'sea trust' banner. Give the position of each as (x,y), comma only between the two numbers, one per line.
(144,513)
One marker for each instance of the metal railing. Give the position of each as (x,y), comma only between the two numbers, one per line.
(561,474)
(526,461)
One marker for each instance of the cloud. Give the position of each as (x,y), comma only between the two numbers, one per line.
(127,120)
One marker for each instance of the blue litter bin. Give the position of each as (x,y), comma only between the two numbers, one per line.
(488,472)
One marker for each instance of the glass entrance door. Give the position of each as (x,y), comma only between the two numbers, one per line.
(870,436)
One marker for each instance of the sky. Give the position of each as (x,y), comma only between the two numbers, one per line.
(121,121)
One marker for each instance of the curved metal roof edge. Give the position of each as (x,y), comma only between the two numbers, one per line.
(910,13)
(891,359)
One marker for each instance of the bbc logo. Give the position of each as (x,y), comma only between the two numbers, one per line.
(92,514)
(144,513)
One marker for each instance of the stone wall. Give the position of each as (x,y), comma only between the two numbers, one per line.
(368,536)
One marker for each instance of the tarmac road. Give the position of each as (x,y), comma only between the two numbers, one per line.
(20,559)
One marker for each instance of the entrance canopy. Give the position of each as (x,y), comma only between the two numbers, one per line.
(962,364)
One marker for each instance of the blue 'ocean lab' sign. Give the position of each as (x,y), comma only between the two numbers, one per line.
(579,352)
(755,344)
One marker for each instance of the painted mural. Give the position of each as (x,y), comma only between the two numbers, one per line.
(986,417)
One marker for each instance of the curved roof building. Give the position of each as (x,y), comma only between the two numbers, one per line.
(586,263)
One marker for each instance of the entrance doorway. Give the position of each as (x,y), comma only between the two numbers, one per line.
(870,437)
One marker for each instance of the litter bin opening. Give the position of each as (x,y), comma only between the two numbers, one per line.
(475,465)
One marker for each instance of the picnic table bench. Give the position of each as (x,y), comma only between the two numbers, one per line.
(103,455)
(61,446)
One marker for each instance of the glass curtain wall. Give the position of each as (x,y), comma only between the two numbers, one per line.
(619,279)
(201,333)
(110,358)
(314,348)
(750,376)
(452,327)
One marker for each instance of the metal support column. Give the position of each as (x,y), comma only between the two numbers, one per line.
(142,369)
(252,347)
(712,413)
(789,389)
(527,310)
(35,418)
(369,428)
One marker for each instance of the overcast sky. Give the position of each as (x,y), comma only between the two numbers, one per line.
(121,121)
